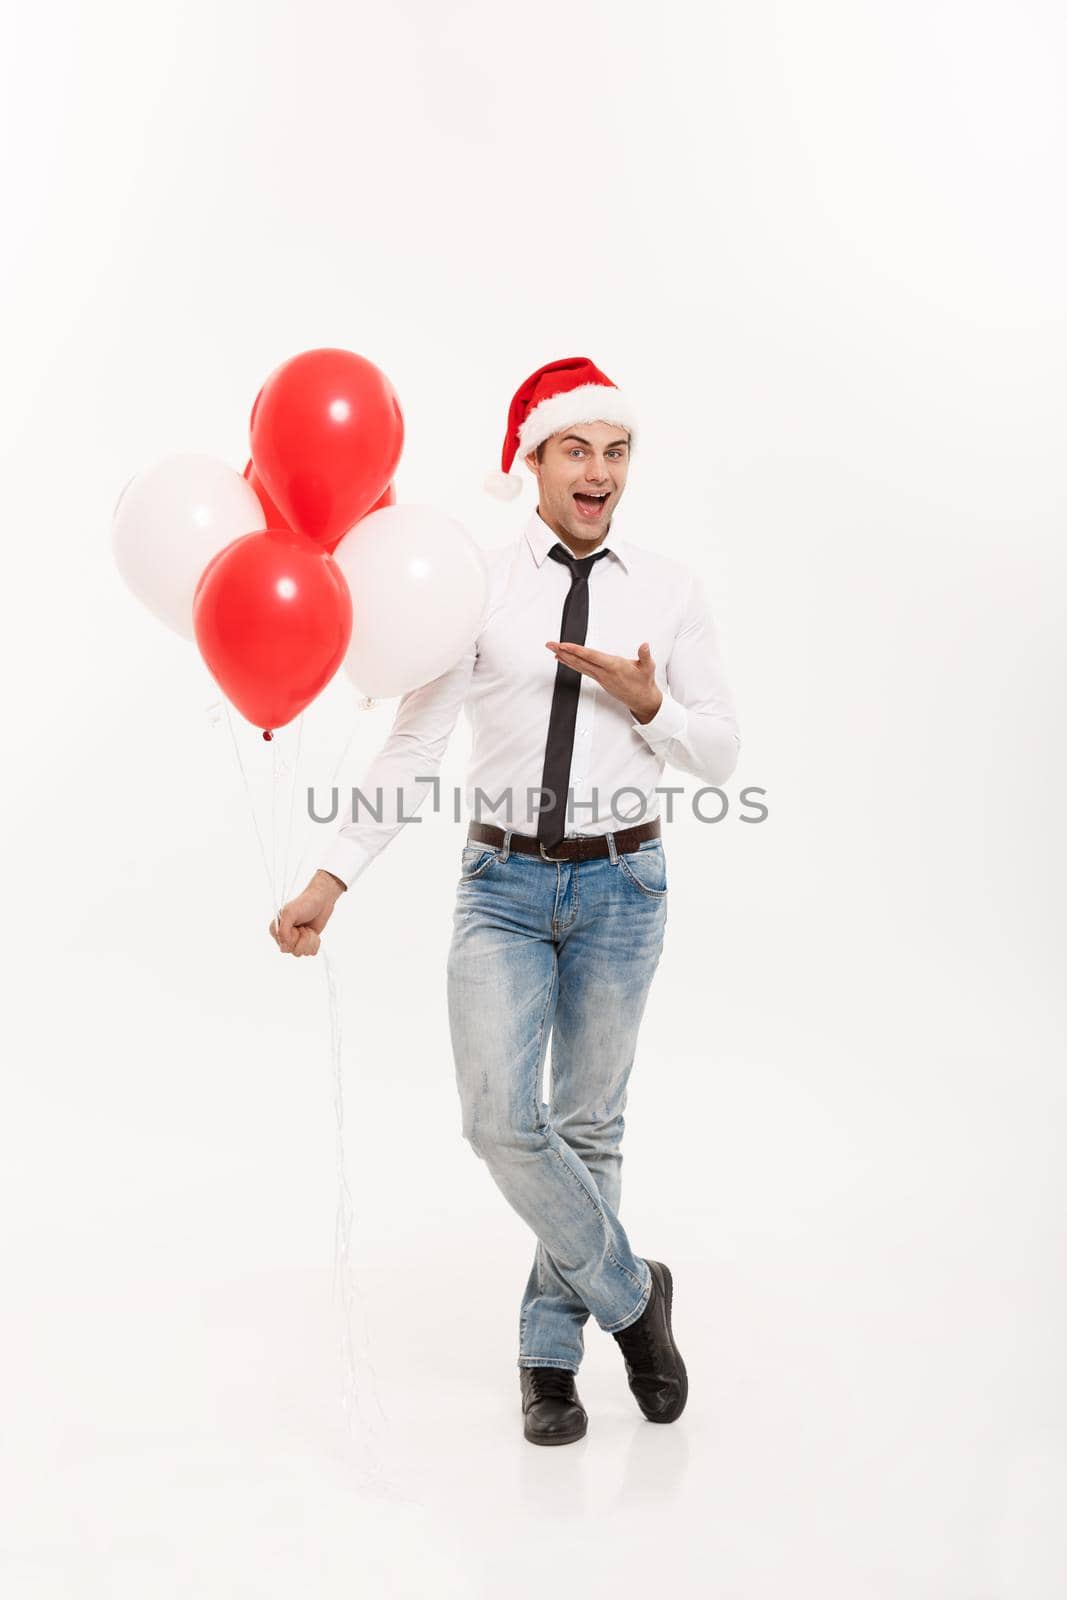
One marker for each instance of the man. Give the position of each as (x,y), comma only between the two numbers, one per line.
(560,912)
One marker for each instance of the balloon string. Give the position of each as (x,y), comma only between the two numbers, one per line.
(275,896)
(252,809)
(367,704)
(344,1280)
(345,1287)
(343,1277)
(286,887)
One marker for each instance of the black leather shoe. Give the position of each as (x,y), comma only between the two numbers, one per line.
(655,1370)
(550,1404)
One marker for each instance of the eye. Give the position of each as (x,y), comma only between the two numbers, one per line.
(575,449)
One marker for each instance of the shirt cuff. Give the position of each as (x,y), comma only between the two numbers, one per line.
(345,859)
(666,725)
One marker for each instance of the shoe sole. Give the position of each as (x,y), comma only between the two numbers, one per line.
(555,1438)
(673,1415)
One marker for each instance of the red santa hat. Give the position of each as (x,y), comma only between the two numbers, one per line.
(553,398)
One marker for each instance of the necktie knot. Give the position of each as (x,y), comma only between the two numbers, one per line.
(580,566)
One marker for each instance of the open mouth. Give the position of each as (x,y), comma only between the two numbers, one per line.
(591,506)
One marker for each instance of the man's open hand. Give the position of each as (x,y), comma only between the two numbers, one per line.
(296,930)
(632,682)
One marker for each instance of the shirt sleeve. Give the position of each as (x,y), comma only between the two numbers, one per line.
(696,727)
(416,744)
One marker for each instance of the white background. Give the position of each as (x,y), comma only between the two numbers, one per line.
(824,246)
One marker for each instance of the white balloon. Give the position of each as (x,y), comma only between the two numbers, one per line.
(168,523)
(420,591)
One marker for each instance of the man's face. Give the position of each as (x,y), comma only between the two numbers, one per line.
(581,477)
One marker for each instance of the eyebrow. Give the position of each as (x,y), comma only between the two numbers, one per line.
(580,440)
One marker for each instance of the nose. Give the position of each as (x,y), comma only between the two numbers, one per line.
(596,473)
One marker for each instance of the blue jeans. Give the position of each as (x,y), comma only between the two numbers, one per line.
(567,949)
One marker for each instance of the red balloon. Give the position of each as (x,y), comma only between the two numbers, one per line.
(271,515)
(274,518)
(326,433)
(273,618)
(386,499)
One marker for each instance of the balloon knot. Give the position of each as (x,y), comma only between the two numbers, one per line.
(267,735)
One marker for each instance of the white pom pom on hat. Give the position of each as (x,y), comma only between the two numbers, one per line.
(554,397)
(504,485)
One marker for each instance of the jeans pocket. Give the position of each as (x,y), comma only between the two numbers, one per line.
(646,868)
(475,859)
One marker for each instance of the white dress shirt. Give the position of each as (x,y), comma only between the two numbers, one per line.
(506,678)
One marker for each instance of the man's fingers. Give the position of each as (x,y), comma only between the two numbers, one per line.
(303,941)
(599,658)
(293,918)
(297,926)
(578,663)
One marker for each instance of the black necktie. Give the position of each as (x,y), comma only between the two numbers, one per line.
(552,822)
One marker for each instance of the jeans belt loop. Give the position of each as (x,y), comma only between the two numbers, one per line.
(505,848)
(612,852)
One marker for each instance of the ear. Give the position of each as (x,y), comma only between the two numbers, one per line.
(532,462)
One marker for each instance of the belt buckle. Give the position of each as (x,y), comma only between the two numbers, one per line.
(541,847)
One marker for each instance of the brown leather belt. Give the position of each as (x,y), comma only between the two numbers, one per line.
(586,847)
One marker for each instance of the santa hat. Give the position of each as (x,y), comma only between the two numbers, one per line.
(551,399)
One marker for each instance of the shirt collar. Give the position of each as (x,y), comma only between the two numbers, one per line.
(540,538)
